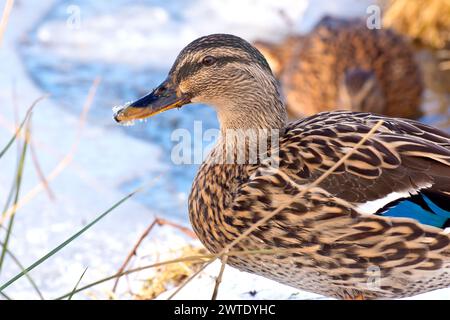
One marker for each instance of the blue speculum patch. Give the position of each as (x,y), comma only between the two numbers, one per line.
(421,208)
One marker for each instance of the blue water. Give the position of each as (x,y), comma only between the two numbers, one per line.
(68,81)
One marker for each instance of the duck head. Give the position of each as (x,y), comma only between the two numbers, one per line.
(223,71)
(359,90)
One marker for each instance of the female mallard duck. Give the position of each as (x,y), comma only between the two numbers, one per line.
(342,64)
(385,209)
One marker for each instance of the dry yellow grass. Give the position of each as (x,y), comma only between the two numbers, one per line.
(171,275)
(425,21)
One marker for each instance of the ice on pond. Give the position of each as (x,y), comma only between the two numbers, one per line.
(117,109)
(127,123)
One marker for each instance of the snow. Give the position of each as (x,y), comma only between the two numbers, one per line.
(109,161)
(236,285)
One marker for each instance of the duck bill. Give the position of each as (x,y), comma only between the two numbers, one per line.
(164,97)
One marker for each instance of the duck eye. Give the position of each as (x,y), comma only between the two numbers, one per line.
(160,90)
(208,60)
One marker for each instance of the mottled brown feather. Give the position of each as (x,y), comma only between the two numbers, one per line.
(336,247)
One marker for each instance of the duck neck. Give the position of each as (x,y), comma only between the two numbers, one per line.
(251,126)
(258,107)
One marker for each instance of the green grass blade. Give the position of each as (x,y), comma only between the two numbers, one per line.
(66,242)
(20,265)
(8,202)
(76,286)
(14,137)
(18,184)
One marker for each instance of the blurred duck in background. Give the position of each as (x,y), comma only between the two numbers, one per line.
(343,65)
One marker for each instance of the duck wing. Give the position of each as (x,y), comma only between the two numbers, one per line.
(381,208)
(403,170)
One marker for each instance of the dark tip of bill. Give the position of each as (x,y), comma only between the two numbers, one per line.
(116,117)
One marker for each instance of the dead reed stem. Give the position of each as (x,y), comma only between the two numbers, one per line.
(5,17)
(159,222)
(39,171)
(219,277)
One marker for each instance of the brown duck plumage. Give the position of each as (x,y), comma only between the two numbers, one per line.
(342,64)
(338,247)
(343,236)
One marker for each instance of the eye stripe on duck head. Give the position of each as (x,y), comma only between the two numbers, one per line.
(225,48)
